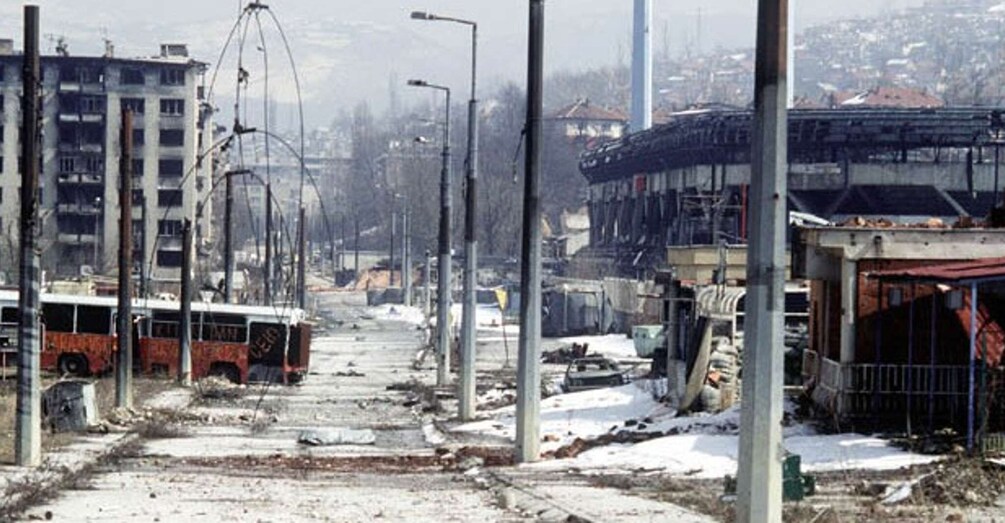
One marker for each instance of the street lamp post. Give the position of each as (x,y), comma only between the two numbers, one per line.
(467,385)
(443,285)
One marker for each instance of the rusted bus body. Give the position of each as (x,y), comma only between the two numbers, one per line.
(78,334)
(240,342)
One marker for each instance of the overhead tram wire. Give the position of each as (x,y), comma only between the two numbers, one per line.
(255,8)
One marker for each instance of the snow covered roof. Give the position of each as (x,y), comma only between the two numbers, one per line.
(582,110)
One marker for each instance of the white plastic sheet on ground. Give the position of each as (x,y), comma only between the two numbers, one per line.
(337,436)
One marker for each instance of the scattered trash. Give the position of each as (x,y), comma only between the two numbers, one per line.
(338,436)
(349,374)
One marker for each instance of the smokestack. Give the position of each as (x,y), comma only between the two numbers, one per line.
(642,67)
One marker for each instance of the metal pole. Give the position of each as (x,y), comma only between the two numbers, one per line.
(642,67)
(970,369)
(355,248)
(228,237)
(267,269)
(759,480)
(528,373)
(468,325)
(185,312)
(124,367)
(443,285)
(301,261)
(28,424)
(406,258)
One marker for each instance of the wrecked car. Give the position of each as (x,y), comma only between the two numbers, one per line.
(592,373)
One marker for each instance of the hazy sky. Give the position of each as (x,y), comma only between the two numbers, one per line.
(347,51)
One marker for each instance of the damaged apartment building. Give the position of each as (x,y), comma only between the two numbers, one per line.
(83,101)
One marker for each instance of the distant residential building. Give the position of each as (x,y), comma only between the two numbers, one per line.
(84,98)
(896,97)
(582,121)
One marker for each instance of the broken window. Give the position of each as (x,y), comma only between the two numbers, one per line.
(172,107)
(94,319)
(137,196)
(169,197)
(172,76)
(169,258)
(136,105)
(57,317)
(169,227)
(172,137)
(164,324)
(132,76)
(170,167)
(137,165)
(139,137)
(67,164)
(94,164)
(92,104)
(229,328)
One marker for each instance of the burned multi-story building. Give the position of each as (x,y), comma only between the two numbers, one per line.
(83,100)
(686,182)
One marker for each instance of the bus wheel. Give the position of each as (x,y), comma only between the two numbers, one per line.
(227,371)
(72,364)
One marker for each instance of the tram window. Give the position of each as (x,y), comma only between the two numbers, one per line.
(231,328)
(94,320)
(165,325)
(9,315)
(58,317)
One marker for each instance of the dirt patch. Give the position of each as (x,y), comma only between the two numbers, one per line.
(580,445)
(397,464)
(144,388)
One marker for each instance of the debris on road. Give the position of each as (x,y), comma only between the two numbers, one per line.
(337,436)
(565,355)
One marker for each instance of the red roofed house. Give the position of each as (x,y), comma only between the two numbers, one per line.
(582,121)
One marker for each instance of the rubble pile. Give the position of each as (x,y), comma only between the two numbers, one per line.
(963,482)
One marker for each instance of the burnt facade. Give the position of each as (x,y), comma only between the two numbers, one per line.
(83,101)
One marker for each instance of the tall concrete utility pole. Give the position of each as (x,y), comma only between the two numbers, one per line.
(528,372)
(185,310)
(642,67)
(28,423)
(124,361)
(228,235)
(468,325)
(759,480)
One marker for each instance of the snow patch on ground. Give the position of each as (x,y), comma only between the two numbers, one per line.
(578,415)
(702,446)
